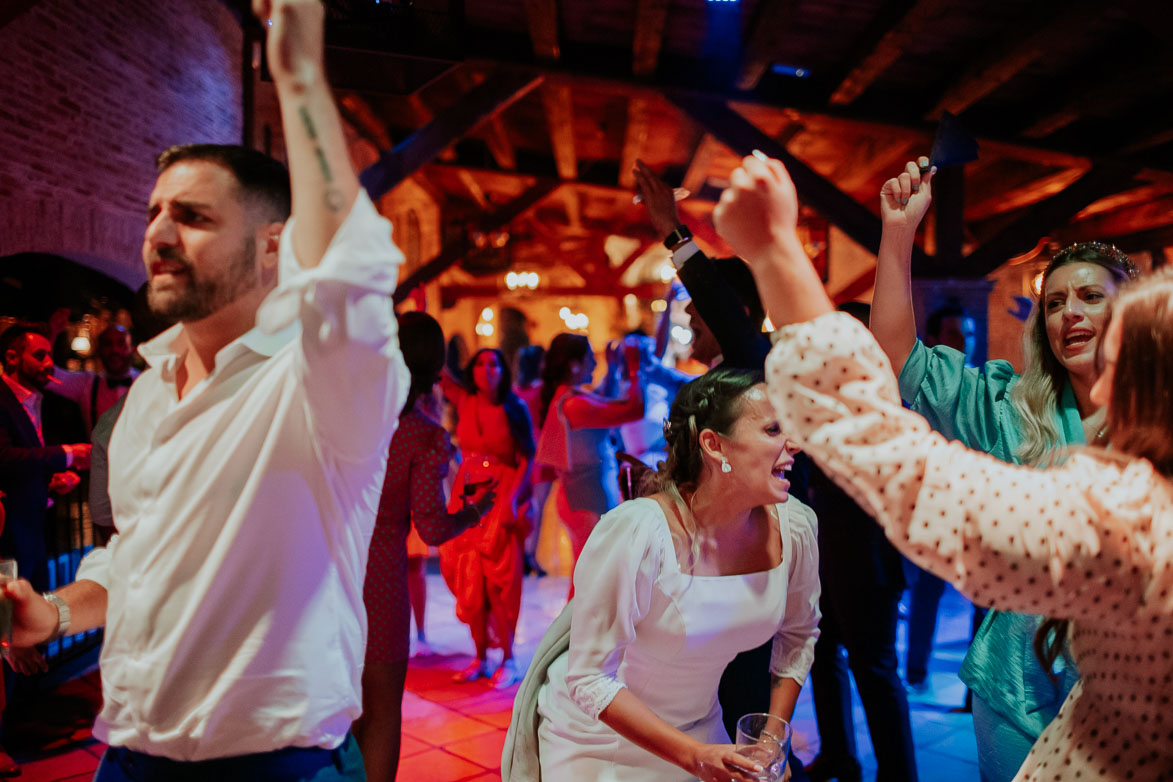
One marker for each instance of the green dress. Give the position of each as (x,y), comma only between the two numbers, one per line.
(972,405)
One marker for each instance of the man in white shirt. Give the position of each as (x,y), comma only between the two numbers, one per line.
(246,468)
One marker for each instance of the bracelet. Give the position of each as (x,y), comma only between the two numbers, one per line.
(63,615)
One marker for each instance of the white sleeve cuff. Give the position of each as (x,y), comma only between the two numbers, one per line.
(684,252)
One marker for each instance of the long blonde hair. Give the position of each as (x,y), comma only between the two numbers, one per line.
(1035,397)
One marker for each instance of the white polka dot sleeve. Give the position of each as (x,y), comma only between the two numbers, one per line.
(1088,540)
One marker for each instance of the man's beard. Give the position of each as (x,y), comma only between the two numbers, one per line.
(195,298)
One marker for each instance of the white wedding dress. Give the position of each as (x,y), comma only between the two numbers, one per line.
(640,623)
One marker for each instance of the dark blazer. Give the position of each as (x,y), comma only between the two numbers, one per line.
(742,345)
(25,469)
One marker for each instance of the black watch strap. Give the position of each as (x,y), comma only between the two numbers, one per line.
(678,238)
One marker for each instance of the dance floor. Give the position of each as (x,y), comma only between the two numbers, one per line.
(454,732)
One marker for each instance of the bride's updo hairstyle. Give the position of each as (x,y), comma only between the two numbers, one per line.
(712,401)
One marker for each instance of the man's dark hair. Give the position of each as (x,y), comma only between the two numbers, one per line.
(262,179)
(737,273)
(951,310)
(14,336)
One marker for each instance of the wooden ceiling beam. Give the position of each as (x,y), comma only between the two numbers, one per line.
(542,18)
(771,20)
(500,146)
(1138,195)
(1029,193)
(913,25)
(1108,95)
(1033,38)
(874,158)
(1044,217)
(699,162)
(1147,216)
(634,137)
(485,100)
(651,16)
(474,188)
(560,119)
(741,136)
(452,252)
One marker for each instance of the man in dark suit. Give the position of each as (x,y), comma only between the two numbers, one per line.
(40,438)
(862,577)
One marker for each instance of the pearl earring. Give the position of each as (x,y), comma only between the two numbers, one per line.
(725,465)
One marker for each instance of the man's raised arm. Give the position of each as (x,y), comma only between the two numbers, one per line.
(323,181)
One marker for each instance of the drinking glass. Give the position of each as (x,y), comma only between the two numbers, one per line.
(7,573)
(765,739)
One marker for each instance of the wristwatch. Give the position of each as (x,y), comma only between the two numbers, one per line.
(62,615)
(679,237)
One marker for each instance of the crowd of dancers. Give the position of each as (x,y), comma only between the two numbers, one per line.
(276,475)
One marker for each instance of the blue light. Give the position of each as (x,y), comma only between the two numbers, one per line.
(723,1)
(792,71)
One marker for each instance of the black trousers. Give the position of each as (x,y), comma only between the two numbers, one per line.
(862,620)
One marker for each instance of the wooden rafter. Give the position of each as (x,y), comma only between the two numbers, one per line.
(873,157)
(772,19)
(485,100)
(1040,219)
(1138,195)
(474,188)
(1031,40)
(454,251)
(1112,93)
(1147,216)
(650,18)
(542,18)
(500,147)
(1029,193)
(742,137)
(856,288)
(560,118)
(698,163)
(634,137)
(913,25)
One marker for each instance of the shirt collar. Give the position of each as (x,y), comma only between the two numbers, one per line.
(173,343)
(22,394)
(1069,418)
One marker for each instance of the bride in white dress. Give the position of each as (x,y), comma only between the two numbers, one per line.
(671,587)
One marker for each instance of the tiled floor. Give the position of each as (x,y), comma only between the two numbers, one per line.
(454,732)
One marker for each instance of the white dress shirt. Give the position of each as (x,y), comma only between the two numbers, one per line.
(235,621)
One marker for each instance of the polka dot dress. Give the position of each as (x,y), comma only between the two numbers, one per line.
(412,493)
(1091,541)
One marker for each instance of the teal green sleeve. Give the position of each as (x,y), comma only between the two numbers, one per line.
(963,403)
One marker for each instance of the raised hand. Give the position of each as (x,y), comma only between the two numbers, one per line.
(757,215)
(759,209)
(658,198)
(295,39)
(905,198)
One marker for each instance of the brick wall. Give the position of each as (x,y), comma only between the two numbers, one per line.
(91,92)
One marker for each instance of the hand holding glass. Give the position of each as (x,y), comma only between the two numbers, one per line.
(765,739)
